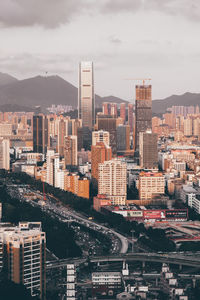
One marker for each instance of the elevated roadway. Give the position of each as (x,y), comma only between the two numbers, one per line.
(175,259)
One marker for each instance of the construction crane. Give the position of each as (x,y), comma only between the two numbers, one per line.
(143,79)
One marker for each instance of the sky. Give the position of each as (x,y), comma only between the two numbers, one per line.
(126,39)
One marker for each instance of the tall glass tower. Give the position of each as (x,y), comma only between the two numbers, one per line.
(86,101)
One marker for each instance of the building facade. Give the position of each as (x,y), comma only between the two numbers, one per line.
(86,101)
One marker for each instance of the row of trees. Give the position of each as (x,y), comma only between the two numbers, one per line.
(155,239)
(60,238)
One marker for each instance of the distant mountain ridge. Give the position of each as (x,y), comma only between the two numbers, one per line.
(187,99)
(25,94)
(6,79)
(45,91)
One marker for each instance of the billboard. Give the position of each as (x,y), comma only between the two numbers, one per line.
(154,214)
(176,214)
(135,213)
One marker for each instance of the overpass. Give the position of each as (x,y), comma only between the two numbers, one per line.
(175,259)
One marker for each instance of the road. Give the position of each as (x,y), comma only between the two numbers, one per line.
(175,259)
(67,214)
(83,220)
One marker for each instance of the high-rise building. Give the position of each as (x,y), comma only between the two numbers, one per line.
(143,111)
(123,112)
(113,181)
(52,168)
(40,133)
(123,138)
(148,150)
(108,123)
(187,125)
(100,153)
(70,152)
(109,109)
(100,136)
(4,154)
(150,185)
(130,116)
(62,132)
(86,101)
(24,259)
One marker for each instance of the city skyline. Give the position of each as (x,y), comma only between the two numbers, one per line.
(144,39)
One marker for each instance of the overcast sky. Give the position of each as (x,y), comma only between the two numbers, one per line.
(158,39)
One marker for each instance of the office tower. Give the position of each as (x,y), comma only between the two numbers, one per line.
(123,112)
(100,153)
(113,181)
(123,138)
(76,123)
(105,108)
(86,102)
(52,168)
(143,111)
(4,154)
(187,126)
(148,150)
(62,132)
(109,109)
(70,152)
(113,109)
(25,259)
(108,123)
(100,136)
(150,185)
(40,133)
(130,116)
(196,123)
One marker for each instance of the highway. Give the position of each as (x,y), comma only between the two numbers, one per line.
(175,259)
(71,214)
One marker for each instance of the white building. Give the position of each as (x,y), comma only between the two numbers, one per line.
(113,181)
(101,136)
(86,102)
(4,154)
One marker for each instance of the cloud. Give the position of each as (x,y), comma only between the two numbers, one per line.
(187,8)
(28,64)
(52,13)
(114,40)
(111,6)
(48,13)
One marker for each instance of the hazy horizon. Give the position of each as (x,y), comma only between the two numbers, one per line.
(124,38)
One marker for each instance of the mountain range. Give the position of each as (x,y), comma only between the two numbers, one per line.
(24,95)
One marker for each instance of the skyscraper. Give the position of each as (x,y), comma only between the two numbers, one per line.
(86,101)
(4,154)
(130,116)
(70,152)
(62,132)
(148,150)
(108,123)
(143,111)
(24,259)
(123,112)
(123,138)
(100,153)
(40,133)
(113,181)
